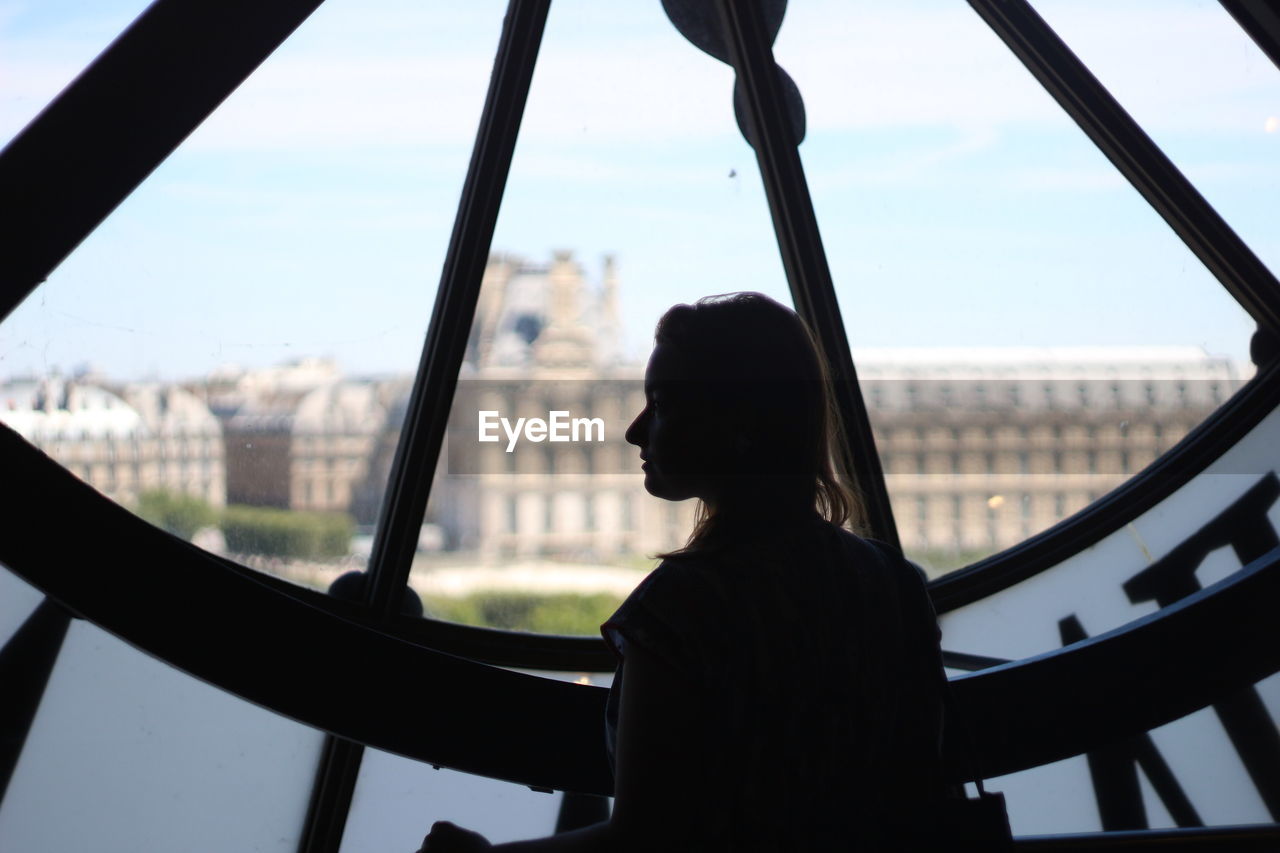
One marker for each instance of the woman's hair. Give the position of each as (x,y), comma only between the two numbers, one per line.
(753,362)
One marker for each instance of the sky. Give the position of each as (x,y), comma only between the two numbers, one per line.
(308,216)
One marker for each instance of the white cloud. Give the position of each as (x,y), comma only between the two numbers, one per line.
(892,66)
(312,103)
(1177,66)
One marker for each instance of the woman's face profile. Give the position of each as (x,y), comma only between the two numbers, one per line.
(679,443)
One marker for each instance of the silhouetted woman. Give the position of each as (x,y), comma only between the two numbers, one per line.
(779,685)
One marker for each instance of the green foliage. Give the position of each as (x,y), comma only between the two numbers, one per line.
(285,533)
(181,515)
(557,613)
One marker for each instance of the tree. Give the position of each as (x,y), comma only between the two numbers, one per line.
(285,533)
(182,515)
(550,613)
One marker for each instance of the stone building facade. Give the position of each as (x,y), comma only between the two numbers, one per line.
(301,436)
(122,440)
(983,448)
(340,458)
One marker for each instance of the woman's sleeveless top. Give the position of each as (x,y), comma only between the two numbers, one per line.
(818,653)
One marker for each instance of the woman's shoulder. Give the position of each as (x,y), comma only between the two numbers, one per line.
(672,614)
(681,576)
(816,553)
(877,554)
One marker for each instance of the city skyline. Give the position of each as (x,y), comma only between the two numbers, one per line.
(980,450)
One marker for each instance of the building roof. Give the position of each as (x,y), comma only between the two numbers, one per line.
(1091,362)
(54,408)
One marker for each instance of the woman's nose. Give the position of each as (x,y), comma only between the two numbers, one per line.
(638,431)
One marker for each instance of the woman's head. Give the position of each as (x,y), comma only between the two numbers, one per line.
(738,413)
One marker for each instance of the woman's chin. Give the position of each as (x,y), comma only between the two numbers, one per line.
(655,485)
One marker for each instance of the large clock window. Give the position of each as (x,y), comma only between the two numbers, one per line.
(1067,363)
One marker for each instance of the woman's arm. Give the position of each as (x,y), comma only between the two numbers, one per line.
(655,761)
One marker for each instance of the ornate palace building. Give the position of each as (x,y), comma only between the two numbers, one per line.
(302,436)
(124,440)
(984,447)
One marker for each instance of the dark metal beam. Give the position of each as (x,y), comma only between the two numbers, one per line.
(1261,20)
(331,793)
(1129,148)
(1124,682)
(120,119)
(374,688)
(358,682)
(369,686)
(800,243)
(422,435)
